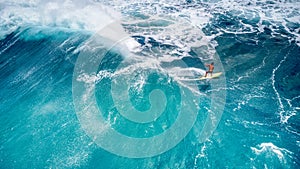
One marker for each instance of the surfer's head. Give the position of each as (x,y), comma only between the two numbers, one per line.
(212,63)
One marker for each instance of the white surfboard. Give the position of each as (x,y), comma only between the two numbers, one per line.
(209,76)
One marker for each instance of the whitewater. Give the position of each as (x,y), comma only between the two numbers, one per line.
(114,84)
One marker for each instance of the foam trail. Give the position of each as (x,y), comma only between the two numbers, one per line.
(185,72)
(138,63)
(283,118)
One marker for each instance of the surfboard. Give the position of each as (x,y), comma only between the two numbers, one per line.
(214,75)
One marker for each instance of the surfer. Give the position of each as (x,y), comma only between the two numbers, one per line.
(210,68)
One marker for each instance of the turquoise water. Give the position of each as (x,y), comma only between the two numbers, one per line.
(74,99)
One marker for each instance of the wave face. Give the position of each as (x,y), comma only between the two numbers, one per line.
(73,72)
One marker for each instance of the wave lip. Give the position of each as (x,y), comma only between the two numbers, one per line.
(76,15)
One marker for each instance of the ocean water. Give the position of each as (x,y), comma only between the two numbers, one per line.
(114,84)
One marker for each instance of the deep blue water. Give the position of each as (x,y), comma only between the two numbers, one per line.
(61,97)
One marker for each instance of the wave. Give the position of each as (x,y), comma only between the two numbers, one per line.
(257,41)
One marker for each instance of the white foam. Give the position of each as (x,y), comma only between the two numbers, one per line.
(271,148)
(87,15)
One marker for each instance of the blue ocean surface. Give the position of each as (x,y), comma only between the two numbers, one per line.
(115,84)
